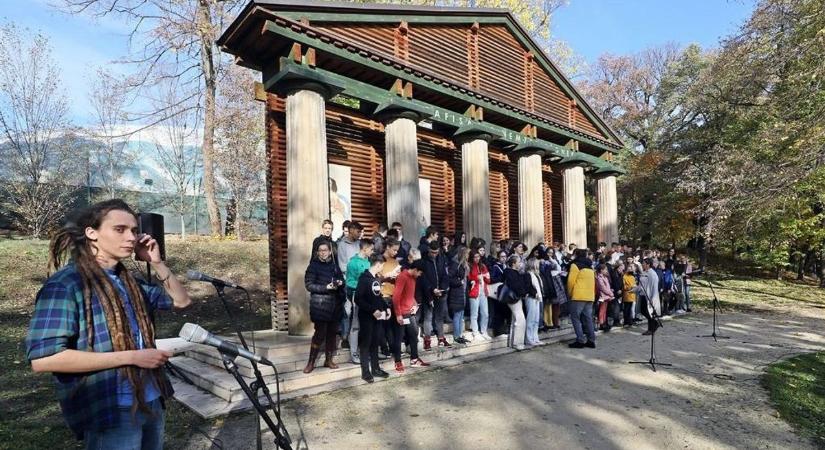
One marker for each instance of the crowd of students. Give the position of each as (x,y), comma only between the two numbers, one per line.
(378,293)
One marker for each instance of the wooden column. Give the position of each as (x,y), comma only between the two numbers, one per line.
(608,212)
(573,211)
(475,188)
(530,200)
(401,169)
(307,195)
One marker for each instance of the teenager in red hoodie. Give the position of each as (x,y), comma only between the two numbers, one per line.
(404,308)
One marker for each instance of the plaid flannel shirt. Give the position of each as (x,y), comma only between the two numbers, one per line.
(88,400)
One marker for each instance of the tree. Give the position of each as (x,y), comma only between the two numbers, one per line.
(37,155)
(175,39)
(175,154)
(111,155)
(240,144)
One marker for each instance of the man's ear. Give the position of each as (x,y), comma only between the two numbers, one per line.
(91,234)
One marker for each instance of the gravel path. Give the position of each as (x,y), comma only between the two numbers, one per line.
(556,397)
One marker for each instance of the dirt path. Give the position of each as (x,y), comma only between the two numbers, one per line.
(555,397)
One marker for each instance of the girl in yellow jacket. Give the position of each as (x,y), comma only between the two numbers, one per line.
(628,296)
(581,287)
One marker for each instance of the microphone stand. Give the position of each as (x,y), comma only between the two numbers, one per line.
(715,307)
(652,361)
(282,439)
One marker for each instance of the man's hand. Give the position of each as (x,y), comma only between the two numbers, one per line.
(147,249)
(400,320)
(150,358)
(437,292)
(414,309)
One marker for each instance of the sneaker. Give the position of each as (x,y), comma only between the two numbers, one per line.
(576,344)
(590,344)
(460,340)
(680,311)
(368,378)
(427,344)
(443,343)
(520,348)
(688,310)
(345,344)
(379,373)
(486,337)
(355,360)
(419,363)
(399,367)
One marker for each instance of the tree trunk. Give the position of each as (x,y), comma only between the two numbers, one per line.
(800,268)
(822,267)
(182,228)
(207,148)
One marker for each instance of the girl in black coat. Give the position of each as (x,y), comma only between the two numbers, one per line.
(516,282)
(323,279)
(371,310)
(457,296)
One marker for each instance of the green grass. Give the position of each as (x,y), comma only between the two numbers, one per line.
(797,390)
(748,293)
(31,417)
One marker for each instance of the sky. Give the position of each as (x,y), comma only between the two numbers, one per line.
(590,28)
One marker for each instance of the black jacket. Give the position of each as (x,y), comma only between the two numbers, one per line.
(323,302)
(435,276)
(517,282)
(368,296)
(458,286)
(497,272)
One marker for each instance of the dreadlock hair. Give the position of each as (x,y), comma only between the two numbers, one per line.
(70,245)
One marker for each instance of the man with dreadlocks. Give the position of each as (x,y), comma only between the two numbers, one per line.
(92,329)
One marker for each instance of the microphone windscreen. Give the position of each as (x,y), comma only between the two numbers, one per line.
(193,275)
(193,333)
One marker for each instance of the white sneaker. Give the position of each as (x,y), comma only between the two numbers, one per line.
(486,337)
(472,337)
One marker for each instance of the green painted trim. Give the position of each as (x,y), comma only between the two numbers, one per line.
(514,29)
(291,70)
(409,75)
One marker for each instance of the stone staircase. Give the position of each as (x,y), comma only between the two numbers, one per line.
(214,392)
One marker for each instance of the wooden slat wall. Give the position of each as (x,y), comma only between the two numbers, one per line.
(379,37)
(358,143)
(440,162)
(502,65)
(550,101)
(557,188)
(503,195)
(441,49)
(276,192)
(548,209)
(499,194)
(584,124)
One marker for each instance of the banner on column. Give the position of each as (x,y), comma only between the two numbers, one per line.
(340,197)
(424,204)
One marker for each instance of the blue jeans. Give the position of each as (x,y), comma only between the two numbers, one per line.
(141,432)
(479,315)
(687,295)
(582,312)
(533,314)
(458,323)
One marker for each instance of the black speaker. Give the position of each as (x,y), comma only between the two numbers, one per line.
(152,224)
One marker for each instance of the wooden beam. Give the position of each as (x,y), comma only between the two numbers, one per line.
(258,91)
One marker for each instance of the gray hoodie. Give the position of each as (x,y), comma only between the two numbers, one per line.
(346,250)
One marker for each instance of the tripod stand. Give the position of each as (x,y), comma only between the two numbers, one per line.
(715,307)
(652,361)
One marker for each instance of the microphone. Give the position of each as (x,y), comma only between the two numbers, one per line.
(196,334)
(194,275)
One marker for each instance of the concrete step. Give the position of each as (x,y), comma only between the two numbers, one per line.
(289,353)
(220,394)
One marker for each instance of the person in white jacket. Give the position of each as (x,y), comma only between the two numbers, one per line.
(648,292)
(533,302)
